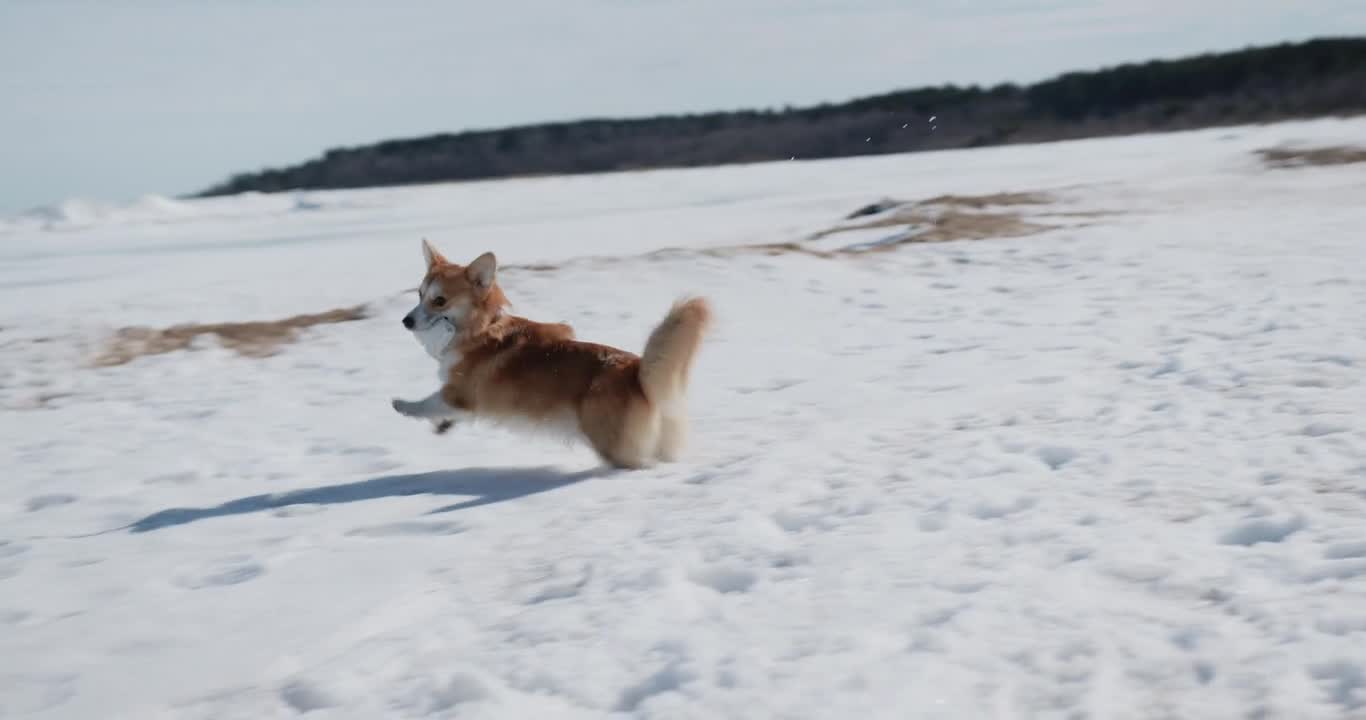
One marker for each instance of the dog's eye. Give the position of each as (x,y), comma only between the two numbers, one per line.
(439,301)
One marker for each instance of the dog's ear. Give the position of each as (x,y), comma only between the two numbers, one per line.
(432,255)
(481,271)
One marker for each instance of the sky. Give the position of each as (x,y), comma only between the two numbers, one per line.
(112,100)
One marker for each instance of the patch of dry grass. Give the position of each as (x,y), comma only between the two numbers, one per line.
(945,226)
(769,249)
(948,216)
(954,225)
(944,218)
(250,339)
(1287,157)
(977,202)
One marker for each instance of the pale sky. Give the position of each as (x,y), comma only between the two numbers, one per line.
(111,99)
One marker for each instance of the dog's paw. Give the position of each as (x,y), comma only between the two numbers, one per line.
(441,426)
(403,407)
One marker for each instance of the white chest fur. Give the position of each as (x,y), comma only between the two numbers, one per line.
(436,340)
(446,361)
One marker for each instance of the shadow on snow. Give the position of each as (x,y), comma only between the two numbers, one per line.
(486,486)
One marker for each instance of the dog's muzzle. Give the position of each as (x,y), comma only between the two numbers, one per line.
(436,337)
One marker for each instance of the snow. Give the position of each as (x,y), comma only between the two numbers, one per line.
(1113,469)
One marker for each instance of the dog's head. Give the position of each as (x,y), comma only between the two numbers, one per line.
(453,297)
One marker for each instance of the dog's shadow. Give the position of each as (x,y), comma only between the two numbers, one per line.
(485,486)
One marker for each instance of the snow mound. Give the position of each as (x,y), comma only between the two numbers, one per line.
(78,213)
(152,209)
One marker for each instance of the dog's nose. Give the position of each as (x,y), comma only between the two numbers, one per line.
(408,321)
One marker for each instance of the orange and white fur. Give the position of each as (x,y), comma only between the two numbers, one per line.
(496,365)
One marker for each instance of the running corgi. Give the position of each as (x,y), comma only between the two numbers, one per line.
(629,408)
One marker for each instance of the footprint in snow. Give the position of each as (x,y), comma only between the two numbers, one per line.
(11,564)
(724,579)
(175,478)
(300,510)
(669,679)
(1343,681)
(1341,625)
(1055,456)
(1261,530)
(1323,429)
(43,502)
(1077,554)
(965,585)
(795,520)
(432,694)
(774,386)
(932,521)
(562,581)
(988,510)
(9,549)
(1135,570)
(305,697)
(230,571)
(14,617)
(324,448)
(1043,380)
(1345,550)
(1344,569)
(407,529)
(32,693)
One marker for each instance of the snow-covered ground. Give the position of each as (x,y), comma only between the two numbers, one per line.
(1116,469)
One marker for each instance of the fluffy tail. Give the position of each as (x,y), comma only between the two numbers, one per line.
(669,352)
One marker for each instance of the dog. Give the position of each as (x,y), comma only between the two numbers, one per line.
(630,409)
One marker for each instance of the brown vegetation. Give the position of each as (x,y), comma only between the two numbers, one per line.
(946,226)
(250,339)
(1287,157)
(978,202)
(954,225)
(943,219)
(937,219)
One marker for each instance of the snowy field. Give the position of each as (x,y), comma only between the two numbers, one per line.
(1113,467)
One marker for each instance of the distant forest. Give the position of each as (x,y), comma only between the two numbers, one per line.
(1314,78)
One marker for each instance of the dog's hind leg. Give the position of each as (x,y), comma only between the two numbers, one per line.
(673,434)
(623,433)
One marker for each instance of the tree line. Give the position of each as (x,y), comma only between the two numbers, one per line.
(1292,80)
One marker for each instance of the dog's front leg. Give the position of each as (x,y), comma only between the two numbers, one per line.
(433,407)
